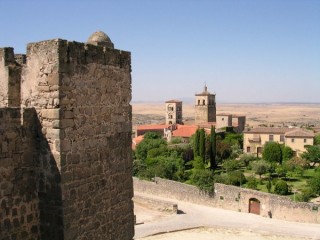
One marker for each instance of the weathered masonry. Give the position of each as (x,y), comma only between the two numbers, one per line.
(234,198)
(65,141)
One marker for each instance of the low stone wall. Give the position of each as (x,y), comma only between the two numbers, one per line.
(233,198)
(173,190)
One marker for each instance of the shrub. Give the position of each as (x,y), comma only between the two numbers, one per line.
(237,178)
(260,167)
(176,140)
(252,182)
(230,165)
(245,159)
(281,188)
(203,179)
(222,178)
(314,183)
(269,186)
(305,195)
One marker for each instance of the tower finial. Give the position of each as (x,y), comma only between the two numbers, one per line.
(205,87)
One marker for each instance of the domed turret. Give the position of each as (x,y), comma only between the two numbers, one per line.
(100,39)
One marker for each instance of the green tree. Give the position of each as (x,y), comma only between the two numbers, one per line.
(152,135)
(287,153)
(213,148)
(196,143)
(281,171)
(260,167)
(231,165)
(234,139)
(272,152)
(151,140)
(314,183)
(281,188)
(197,163)
(202,144)
(312,154)
(305,195)
(252,182)
(203,179)
(246,159)
(223,150)
(296,166)
(165,167)
(269,186)
(317,139)
(237,178)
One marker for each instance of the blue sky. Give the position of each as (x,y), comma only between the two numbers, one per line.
(245,50)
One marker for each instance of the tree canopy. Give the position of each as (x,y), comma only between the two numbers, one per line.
(312,154)
(317,139)
(272,152)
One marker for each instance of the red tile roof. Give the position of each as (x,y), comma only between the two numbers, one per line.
(289,132)
(136,141)
(153,126)
(300,133)
(267,130)
(185,131)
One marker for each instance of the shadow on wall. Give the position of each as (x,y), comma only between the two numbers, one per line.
(30,195)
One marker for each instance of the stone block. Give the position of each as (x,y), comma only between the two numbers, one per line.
(65,145)
(54,133)
(4,147)
(51,113)
(68,114)
(65,123)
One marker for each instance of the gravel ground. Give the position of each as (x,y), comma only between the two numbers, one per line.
(217,234)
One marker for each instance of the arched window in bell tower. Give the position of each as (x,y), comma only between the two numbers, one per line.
(203,102)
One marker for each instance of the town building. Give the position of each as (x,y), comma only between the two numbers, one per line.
(205,107)
(295,138)
(173,112)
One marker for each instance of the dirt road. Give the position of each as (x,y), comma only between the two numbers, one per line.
(210,220)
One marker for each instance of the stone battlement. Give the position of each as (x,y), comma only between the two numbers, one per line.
(82,53)
(65,142)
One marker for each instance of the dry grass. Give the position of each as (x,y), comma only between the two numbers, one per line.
(257,114)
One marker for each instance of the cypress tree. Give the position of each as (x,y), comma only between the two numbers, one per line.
(202,144)
(196,143)
(213,148)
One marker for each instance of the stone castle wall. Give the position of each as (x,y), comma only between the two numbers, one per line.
(79,95)
(233,198)
(19,204)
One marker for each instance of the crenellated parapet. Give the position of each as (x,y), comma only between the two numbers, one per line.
(10,78)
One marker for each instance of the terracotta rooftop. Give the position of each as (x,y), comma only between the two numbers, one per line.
(289,132)
(300,133)
(185,131)
(136,141)
(267,130)
(153,126)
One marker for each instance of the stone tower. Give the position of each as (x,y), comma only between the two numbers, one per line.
(205,107)
(173,112)
(65,142)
